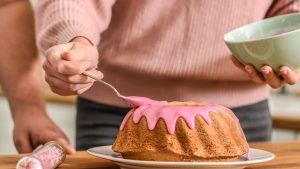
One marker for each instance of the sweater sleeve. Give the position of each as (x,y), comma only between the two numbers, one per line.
(280,7)
(59,21)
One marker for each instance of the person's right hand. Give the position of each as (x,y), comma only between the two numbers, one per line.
(64,64)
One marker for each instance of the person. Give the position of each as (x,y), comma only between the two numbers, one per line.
(20,70)
(164,50)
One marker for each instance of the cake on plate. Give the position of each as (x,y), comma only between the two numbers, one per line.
(180,131)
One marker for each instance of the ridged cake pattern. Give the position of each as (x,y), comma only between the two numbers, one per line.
(170,112)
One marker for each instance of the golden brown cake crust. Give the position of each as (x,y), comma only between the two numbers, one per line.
(219,141)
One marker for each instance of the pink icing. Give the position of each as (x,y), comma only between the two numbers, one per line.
(154,110)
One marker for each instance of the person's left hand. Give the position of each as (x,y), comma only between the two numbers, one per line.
(268,76)
(33,128)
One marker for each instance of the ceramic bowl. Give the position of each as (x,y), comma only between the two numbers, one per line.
(274,41)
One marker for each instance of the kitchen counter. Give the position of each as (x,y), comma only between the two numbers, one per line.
(287,157)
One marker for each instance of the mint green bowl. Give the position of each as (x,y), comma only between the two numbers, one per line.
(274,41)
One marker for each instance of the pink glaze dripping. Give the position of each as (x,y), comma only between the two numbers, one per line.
(154,110)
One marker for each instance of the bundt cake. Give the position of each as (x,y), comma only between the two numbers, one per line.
(180,131)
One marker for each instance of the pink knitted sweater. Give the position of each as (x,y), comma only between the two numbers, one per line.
(161,49)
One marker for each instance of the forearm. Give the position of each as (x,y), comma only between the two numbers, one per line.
(19,62)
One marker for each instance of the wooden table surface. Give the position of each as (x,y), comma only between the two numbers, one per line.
(287,157)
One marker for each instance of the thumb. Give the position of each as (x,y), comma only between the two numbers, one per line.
(79,57)
(81,52)
(66,145)
(67,56)
(75,54)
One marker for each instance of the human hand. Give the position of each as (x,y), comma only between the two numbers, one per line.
(268,76)
(30,132)
(64,64)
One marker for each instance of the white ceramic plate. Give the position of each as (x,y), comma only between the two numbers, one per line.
(256,156)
